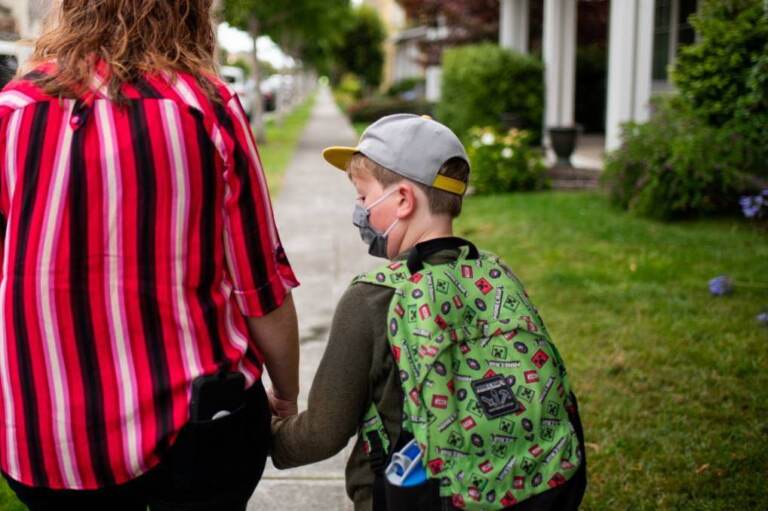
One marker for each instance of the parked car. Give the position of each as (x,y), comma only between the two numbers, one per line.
(235,77)
(12,55)
(270,88)
(281,85)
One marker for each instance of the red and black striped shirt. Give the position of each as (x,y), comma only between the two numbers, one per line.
(135,238)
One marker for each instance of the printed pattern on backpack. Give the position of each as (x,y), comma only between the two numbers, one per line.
(485,391)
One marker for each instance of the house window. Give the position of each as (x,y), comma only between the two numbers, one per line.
(671,31)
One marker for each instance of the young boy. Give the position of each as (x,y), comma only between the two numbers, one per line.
(438,359)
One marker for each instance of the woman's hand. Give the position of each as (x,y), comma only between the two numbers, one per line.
(277,337)
(282,407)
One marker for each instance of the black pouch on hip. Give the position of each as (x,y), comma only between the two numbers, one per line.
(216,395)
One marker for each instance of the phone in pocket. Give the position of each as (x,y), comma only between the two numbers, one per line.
(216,395)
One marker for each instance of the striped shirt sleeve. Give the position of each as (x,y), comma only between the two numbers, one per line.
(257,263)
(3,188)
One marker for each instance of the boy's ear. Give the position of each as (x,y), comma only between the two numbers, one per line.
(406,200)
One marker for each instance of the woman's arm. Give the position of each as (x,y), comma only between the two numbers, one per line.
(277,337)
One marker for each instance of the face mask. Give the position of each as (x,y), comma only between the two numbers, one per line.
(376,241)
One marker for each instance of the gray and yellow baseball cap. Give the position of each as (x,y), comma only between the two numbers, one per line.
(413,146)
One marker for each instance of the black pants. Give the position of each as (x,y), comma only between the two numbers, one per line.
(427,498)
(214,465)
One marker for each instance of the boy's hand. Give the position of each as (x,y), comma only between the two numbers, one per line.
(282,407)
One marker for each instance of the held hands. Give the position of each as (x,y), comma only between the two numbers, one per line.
(282,407)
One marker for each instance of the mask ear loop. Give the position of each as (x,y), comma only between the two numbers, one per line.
(377,201)
(389,229)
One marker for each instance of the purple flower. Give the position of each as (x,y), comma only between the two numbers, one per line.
(720,286)
(752,205)
(762,318)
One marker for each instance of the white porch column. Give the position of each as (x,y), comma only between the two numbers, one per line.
(513,26)
(434,83)
(560,61)
(630,56)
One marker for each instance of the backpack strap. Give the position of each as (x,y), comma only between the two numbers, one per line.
(376,440)
(390,275)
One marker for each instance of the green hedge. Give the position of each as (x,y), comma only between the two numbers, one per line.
(480,82)
(372,109)
(724,75)
(713,75)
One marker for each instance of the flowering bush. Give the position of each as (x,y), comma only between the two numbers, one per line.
(504,162)
(755,206)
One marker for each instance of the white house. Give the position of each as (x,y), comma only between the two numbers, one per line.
(27,16)
(402,54)
(644,36)
(20,20)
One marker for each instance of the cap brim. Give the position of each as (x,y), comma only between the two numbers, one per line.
(339,157)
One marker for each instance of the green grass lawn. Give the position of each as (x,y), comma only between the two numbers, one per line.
(672,382)
(8,500)
(360,127)
(282,139)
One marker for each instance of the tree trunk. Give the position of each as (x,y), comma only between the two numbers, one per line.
(257,104)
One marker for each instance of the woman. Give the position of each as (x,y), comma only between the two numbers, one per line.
(143,280)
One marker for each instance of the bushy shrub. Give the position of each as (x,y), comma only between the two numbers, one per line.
(504,162)
(372,109)
(706,146)
(751,119)
(481,82)
(723,76)
(677,165)
(348,91)
(713,73)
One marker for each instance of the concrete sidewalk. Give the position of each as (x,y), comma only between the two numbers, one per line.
(314,217)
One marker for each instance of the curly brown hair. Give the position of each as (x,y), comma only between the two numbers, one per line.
(132,37)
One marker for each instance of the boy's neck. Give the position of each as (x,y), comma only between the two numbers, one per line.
(438,227)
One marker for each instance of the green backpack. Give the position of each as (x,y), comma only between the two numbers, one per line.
(485,391)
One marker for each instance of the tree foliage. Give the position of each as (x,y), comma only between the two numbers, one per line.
(464,22)
(470,20)
(305,29)
(360,50)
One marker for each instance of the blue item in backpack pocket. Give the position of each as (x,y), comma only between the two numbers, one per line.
(406,469)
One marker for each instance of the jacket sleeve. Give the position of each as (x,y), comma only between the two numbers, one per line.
(340,390)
